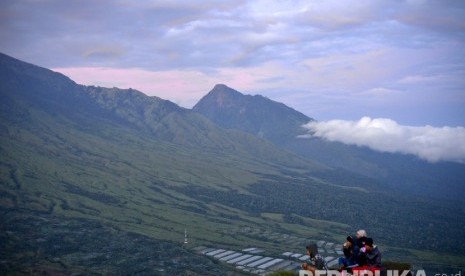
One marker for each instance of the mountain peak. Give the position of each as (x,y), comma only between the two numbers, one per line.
(221,96)
(257,115)
(224,90)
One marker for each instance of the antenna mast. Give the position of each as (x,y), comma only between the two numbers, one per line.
(185,236)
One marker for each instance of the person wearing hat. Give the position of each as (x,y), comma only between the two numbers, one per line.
(359,247)
(373,255)
(348,260)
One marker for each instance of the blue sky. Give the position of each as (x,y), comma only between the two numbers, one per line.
(399,60)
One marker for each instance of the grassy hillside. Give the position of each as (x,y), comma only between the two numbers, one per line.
(82,164)
(138,185)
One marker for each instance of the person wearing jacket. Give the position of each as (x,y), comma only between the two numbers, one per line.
(373,255)
(359,247)
(349,259)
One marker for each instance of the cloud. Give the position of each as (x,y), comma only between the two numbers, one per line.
(429,143)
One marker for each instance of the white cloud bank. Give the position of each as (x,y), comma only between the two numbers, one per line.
(430,143)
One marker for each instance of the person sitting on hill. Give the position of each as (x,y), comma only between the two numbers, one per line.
(373,255)
(372,258)
(315,262)
(348,260)
(359,247)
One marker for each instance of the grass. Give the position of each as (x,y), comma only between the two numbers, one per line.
(126,179)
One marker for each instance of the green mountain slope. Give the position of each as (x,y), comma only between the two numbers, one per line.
(80,162)
(122,159)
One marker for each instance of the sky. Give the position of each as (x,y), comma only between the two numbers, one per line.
(400,61)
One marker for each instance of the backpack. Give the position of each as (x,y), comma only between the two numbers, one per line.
(319,262)
(316,259)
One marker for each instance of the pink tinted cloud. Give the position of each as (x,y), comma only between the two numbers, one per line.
(183,87)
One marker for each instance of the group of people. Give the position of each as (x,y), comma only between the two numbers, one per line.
(359,254)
